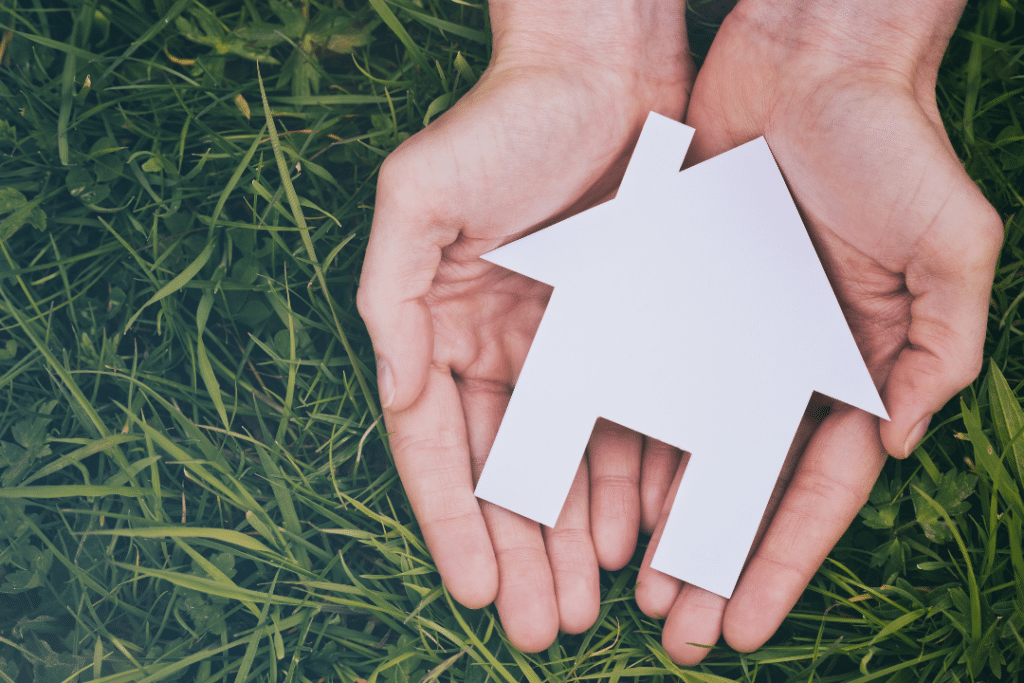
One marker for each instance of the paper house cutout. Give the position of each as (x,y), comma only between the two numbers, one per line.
(691,308)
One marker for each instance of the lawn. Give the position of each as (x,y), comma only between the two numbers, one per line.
(195,480)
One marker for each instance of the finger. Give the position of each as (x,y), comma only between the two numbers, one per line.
(950,279)
(831,484)
(656,592)
(693,625)
(402,257)
(483,403)
(659,465)
(526,589)
(429,443)
(694,622)
(614,457)
(574,561)
(818,408)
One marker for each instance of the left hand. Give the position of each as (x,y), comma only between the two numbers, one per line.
(532,141)
(846,101)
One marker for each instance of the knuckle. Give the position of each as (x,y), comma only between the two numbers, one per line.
(452,516)
(818,490)
(570,542)
(520,559)
(991,230)
(426,448)
(366,301)
(783,567)
(968,369)
(403,170)
(979,247)
(391,171)
(615,495)
(398,183)
(615,482)
(415,193)
(969,238)
(654,449)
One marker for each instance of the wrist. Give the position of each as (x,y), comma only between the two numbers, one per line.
(905,38)
(637,40)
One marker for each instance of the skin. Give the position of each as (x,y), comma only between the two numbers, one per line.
(846,101)
(532,141)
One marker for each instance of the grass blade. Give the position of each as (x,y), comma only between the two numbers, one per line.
(223,535)
(71,491)
(1007,418)
(385,13)
(176,9)
(179,281)
(205,369)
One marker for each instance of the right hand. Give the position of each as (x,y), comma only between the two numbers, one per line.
(545,133)
(846,101)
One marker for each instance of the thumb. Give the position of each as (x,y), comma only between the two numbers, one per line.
(950,279)
(402,258)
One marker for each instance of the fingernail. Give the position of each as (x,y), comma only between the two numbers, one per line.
(385,383)
(916,434)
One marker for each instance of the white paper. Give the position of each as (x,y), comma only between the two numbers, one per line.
(691,308)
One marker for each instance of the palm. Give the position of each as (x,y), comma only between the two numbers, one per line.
(886,199)
(498,171)
(908,243)
(519,150)
(868,194)
(484,319)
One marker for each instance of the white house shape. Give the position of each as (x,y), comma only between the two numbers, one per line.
(691,308)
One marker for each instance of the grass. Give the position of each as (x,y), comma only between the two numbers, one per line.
(195,484)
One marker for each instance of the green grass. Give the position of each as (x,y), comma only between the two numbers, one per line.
(195,484)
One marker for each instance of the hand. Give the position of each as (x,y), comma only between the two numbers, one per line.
(544,133)
(846,101)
